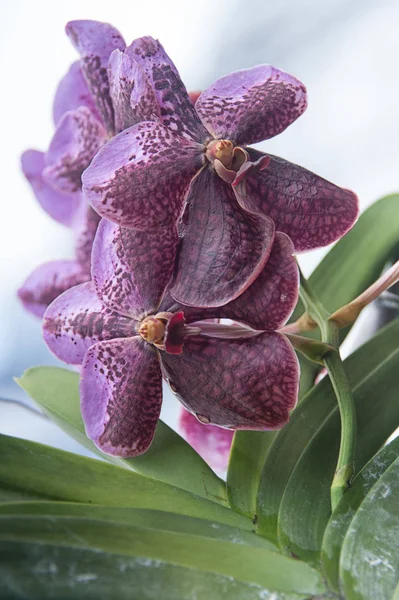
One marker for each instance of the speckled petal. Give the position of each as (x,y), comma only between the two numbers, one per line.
(268,303)
(85,227)
(62,207)
(251,105)
(312,211)
(76,320)
(223,249)
(121,395)
(241,384)
(72,92)
(177,111)
(132,95)
(95,41)
(48,281)
(77,139)
(211,442)
(140,178)
(131,268)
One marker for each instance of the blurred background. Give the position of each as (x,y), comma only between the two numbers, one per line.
(345,51)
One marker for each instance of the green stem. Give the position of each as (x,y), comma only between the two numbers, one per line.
(333,362)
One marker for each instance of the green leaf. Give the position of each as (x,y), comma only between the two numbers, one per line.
(291,441)
(308,490)
(247,457)
(369,565)
(353,264)
(40,471)
(24,541)
(341,518)
(56,392)
(151,519)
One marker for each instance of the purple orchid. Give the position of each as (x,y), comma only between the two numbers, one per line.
(196,160)
(209,441)
(127,332)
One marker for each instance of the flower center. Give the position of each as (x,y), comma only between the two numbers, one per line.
(226,158)
(152,330)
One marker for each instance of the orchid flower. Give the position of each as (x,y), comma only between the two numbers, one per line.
(195,160)
(127,332)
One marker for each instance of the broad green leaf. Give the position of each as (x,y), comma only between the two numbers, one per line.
(247,457)
(308,490)
(142,517)
(258,567)
(56,392)
(369,565)
(341,518)
(291,441)
(353,264)
(40,471)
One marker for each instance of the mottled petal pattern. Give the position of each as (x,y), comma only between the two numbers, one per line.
(85,227)
(211,442)
(121,395)
(131,268)
(48,281)
(77,139)
(312,211)
(132,95)
(95,41)
(76,320)
(62,207)
(251,105)
(223,249)
(177,111)
(72,92)
(140,178)
(241,384)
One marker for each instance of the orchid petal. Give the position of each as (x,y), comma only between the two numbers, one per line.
(48,281)
(61,207)
(121,392)
(72,92)
(223,249)
(240,384)
(132,95)
(177,111)
(95,41)
(251,105)
(312,211)
(76,320)
(77,139)
(140,178)
(85,227)
(211,442)
(131,268)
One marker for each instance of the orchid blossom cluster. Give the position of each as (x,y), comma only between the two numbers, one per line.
(192,270)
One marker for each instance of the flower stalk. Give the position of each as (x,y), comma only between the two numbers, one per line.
(339,380)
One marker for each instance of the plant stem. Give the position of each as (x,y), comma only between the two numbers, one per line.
(333,362)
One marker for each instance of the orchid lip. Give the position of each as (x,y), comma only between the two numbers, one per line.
(226,158)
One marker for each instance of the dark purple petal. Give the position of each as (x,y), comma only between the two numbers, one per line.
(140,178)
(72,92)
(312,211)
(62,207)
(177,110)
(76,320)
(77,139)
(132,95)
(223,249)
(211,442)
(121,395)
(251,105)
(241,384)
(131,268)
(85,227)
(48,281)
(95,41)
